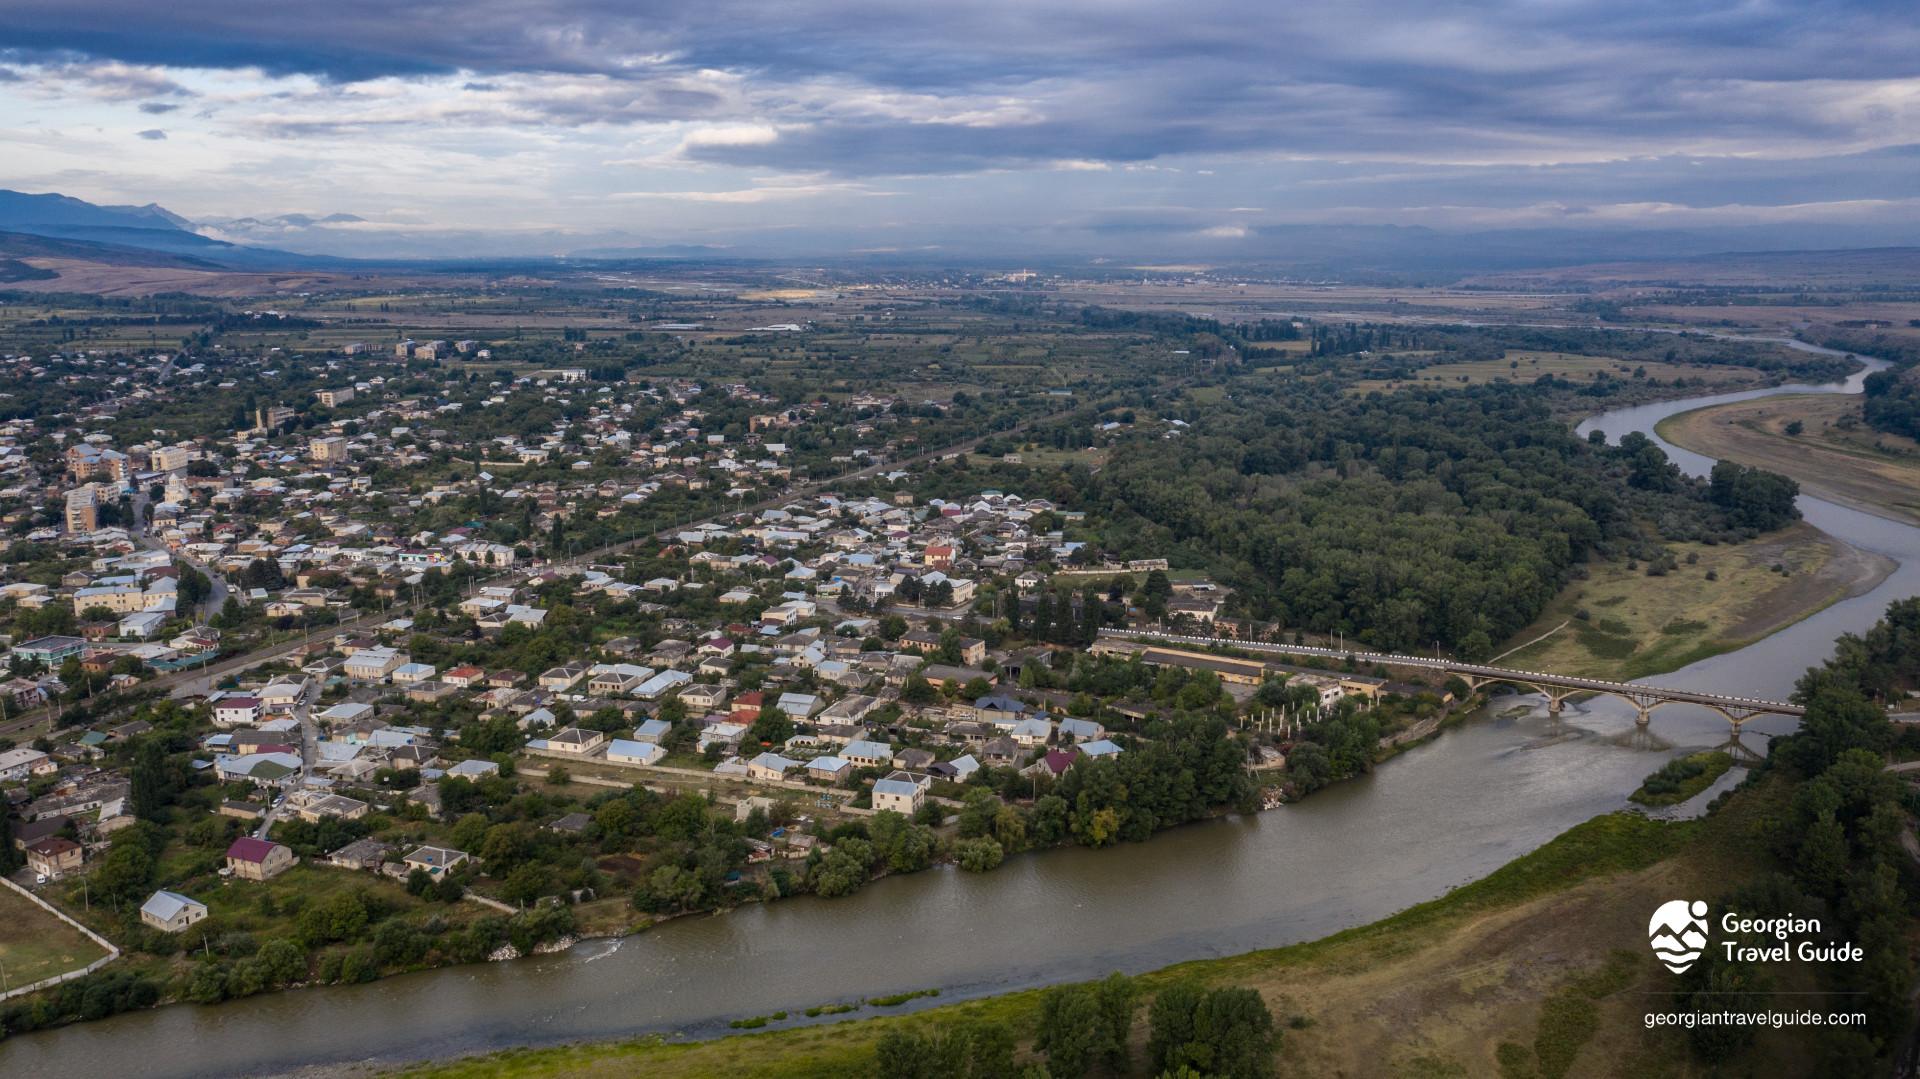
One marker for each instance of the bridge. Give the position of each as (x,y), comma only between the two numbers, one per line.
(1555,687)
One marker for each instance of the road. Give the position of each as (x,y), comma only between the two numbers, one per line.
(216,596)
(309,746)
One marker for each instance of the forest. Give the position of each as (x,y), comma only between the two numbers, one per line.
(1837,850)
(1402,520)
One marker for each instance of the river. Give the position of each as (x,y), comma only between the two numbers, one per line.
(1444,814)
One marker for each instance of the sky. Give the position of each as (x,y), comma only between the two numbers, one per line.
(548,126)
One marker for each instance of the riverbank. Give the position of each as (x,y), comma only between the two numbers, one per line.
(1621,623)
(1852,465)
(1480,981)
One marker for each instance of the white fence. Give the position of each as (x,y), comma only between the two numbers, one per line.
(113,953)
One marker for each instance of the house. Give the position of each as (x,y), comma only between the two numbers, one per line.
(474,768)
(1031,733)
(867,754)
(571,824)
(798,705)
(913,760)
(55,856)
(21,763)
(241,810)
(462,677)
(142,624)
(662,683)
(316,806)
(1082,730)
(1001,751)
(626,751)
(258,859)
(999,710)
(957,769)
(560,678)
(363,854)
(374,664)
(1099,747)
(769,767)
(171,912)
(829,769)
(1053,762)
(901,792)
(408,673)
(434,861)
(236,711)
(617,678)
(703,698)
(577,741)
(346,712)
(652,730)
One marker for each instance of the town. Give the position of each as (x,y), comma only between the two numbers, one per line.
(694,645)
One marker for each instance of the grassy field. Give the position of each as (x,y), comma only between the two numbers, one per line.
(1522,366)
(1539,969)
(36,945)
(1843,462)
(1635,625)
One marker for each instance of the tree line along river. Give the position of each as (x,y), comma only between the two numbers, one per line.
(1444,814)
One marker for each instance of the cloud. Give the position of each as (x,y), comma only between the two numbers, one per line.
(765,189)
(153,134)
(1007,112)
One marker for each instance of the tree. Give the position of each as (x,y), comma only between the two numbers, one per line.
(1071,1032)
(126,872)
(978,855)
(151,780)
(1226,1032)
(918,691)
(771,727)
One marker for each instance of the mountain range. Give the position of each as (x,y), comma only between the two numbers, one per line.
(1384,253)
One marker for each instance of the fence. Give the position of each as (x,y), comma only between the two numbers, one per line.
(113,953)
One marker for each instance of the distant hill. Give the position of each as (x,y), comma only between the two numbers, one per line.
(149,228)
(19,245)
(49,213)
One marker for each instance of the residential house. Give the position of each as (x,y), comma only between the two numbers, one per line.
(251,858)
(171,912)
(55,856)
(769,767)
(435,861)
(901,792)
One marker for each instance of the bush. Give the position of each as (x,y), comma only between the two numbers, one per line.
(978,855)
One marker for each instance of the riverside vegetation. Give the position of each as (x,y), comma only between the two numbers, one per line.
(1814,831)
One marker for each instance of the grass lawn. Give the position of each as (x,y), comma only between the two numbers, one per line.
(1637,625)
(1540,968)
(36,945)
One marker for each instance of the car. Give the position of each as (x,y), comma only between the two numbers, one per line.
(39,878)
